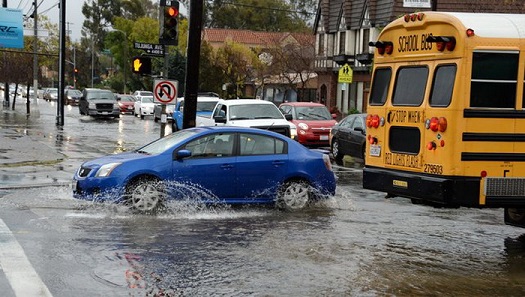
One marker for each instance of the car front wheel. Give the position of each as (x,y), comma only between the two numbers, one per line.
(293,195)
(336,153)
(145,195)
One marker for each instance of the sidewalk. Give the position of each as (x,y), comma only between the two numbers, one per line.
(25,161)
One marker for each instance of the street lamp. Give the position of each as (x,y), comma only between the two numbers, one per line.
(125,55)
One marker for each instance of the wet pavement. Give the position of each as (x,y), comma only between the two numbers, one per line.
(356,244)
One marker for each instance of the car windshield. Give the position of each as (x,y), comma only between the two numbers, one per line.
(145,93)
(206,106)
(74,93)
(127,98)
(255,111)
(162,144)
(147,99)
(316,113)
(104,95)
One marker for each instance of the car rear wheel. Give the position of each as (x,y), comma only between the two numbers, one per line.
(293,195)
(145,195)
(336,153)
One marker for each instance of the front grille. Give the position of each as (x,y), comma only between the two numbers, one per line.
(105,106)
(284,130)
(504,186)
(84,171)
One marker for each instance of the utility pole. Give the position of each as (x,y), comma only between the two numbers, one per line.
(6,84)
(61,64)
(35,52)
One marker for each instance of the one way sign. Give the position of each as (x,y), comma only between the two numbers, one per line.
(165,91)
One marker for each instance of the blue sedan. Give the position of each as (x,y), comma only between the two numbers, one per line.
(233,165)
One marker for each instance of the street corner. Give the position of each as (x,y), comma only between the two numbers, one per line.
(22,150)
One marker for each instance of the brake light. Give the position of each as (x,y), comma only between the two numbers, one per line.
(431,146)
(436,124)
(383,47)
(372,139)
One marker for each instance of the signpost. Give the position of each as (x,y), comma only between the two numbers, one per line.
(164,92)
(150,48)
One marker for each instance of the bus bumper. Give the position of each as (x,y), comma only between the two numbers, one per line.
(442,191)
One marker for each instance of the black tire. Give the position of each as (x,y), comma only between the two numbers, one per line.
(336,153)
(293,195)
(141,115)
(145,195)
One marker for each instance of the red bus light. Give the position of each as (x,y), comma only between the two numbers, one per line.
(442,124)
(375,121)
(434,124)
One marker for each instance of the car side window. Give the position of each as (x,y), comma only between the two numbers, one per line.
(357,123)
(253,144)
(216,145)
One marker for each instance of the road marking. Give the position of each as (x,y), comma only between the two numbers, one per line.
(19,272)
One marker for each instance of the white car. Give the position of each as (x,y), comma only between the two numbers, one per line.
(144,106)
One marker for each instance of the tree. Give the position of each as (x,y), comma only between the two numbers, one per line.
(238,64)
(268,15)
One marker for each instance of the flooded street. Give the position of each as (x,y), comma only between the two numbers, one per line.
(356,244)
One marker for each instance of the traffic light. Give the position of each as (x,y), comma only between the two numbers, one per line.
(169,22)
(141,65)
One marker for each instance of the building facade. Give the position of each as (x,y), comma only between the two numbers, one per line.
(344,28)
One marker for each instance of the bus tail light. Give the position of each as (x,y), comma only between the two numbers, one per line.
(431,146)
(436,124)
(443,42)
(383,47)
(470,32)
(413,17)
(483,173)
(373,121)
(372,139)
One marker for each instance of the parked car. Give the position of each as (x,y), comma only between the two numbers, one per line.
(233,165)
(51,94)
(144,106)
(126,103)
(313,121)
(170,108)
(348,137)
(205,106)
(98,103)
(72,96)
(140,94)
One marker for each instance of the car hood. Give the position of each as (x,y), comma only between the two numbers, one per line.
(97,101)
(317,124)
(118,158)
(261,122)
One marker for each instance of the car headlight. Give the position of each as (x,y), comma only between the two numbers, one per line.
(92,105)
(302,126)
(105,170)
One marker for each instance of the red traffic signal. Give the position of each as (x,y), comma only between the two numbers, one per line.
(169,24)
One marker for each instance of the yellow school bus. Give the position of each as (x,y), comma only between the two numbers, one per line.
(446,112)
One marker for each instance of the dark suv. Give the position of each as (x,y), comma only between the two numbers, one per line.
(98,103)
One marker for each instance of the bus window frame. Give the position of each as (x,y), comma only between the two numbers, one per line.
(433,87)
(490,82)
(411,83)
(373,90)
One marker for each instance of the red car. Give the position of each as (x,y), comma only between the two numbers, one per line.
(126,103)
(313,121)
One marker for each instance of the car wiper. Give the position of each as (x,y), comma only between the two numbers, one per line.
(143,152)
(265,117)
(239,118)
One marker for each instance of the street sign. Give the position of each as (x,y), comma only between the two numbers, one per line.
(165,91)
(345,74)
(150,48)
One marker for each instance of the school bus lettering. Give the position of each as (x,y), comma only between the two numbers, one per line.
(404,116)
(413,43)
(404,160)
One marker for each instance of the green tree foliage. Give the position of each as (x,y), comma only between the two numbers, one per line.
(268,15)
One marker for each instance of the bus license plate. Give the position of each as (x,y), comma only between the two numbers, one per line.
(375,150)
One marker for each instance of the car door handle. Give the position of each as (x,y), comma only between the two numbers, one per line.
(277,163)
(226,166)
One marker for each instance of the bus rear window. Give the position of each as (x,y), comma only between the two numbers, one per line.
(443,85)
(381,82)
(410,86)
(494,79)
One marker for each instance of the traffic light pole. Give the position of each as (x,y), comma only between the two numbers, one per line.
(165,75)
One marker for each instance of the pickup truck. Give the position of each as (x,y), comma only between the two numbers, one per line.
(249,113)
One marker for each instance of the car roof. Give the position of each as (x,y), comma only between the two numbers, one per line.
(244,101)
(240,129)
(303,104)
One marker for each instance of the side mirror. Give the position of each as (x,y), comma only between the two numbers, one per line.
(182,154)
(360,130)
(220,119)
(288,117)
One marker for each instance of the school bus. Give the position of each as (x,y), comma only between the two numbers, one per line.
(446,112)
